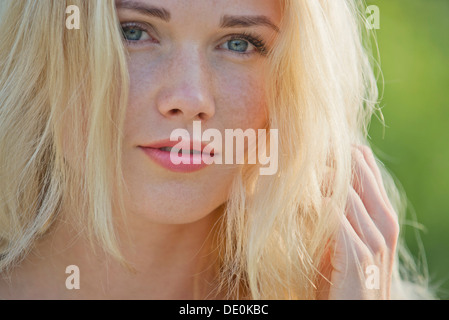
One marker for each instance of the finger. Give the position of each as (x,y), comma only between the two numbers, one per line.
(363,224)
(383,216)
(348,248)
(366,186)
(372,164)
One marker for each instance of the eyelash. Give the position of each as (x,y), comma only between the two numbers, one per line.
(259,44)
(139,26)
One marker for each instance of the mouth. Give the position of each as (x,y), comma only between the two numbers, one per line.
(182,148)
(181,152)
(189,156)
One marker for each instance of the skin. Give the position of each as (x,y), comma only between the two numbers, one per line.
(187,72)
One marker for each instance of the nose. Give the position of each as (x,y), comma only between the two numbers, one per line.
(186,92)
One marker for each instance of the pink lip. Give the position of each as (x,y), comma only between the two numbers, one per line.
(195,161)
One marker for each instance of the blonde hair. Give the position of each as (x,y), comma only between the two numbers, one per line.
(322,93)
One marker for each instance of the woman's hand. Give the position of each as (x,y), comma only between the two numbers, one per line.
(368,233)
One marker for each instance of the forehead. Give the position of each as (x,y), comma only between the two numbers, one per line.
(201,9)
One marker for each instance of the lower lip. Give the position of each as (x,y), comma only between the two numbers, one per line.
(163,159)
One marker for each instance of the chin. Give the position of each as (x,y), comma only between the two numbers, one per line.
(165,210)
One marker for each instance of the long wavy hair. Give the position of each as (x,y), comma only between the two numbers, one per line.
(322,92)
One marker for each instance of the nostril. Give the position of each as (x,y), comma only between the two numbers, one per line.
(174,112)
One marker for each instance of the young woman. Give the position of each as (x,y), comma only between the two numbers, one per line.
(86,115)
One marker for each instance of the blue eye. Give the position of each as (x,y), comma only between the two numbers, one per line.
(245,44)
(134,33)
(238,45)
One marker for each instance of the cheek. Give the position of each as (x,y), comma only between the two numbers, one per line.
(241,99)
(141,113)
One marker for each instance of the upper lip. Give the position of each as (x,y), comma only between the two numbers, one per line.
(184,144)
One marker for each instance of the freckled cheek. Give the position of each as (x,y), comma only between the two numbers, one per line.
(242,101)
(143,80)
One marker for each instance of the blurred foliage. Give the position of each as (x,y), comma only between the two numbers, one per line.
(413,42)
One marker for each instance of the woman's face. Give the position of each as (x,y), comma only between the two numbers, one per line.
(190,60)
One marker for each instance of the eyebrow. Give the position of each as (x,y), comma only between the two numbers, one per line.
(247,21)
(227,21)
(145,9)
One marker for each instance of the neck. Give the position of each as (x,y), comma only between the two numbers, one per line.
(166,262)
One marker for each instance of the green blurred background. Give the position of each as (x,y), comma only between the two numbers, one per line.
(413,41)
